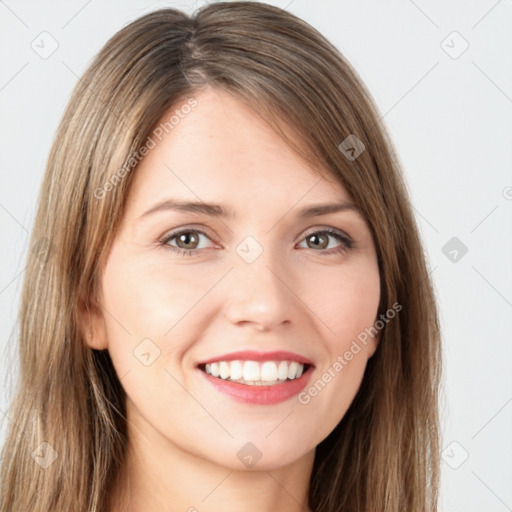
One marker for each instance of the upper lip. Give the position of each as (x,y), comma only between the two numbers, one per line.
(253,355)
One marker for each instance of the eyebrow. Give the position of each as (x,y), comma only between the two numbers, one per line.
(217,210)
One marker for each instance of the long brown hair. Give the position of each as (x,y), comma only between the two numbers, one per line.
(384,454)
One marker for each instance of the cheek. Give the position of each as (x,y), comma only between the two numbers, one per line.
(151,299)
(148,307)
(350,305)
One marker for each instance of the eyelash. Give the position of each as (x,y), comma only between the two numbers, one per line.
(346,242)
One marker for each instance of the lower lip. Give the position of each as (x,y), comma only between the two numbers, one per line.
(262,395)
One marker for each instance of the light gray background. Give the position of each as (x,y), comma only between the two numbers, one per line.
(450,119)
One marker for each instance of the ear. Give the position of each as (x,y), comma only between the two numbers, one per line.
(373,343)
(92,324)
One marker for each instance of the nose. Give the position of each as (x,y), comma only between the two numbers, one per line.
(260,295)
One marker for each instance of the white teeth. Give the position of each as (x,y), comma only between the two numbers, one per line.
(236,370)
(269,371)
(214,368)
(282,370)
(251,371)
(255,373)
(223,370)
(292,370)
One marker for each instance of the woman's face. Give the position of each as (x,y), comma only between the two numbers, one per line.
(260,278)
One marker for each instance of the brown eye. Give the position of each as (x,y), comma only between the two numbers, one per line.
(186,243)
(318,241)
(187,240)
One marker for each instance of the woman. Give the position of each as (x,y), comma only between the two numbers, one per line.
(291,361)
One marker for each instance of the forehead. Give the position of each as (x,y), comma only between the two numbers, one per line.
(221,150)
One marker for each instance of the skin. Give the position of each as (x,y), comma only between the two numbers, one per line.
(183,434)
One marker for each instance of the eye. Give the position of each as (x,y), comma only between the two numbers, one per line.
(320,239)
(187,240)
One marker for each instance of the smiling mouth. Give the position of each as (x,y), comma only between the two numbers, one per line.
(256,373)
